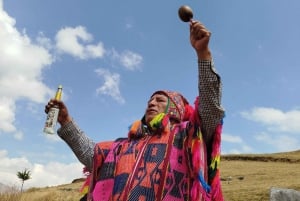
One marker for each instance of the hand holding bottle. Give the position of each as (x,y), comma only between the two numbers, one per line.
(56,111)
(63,115)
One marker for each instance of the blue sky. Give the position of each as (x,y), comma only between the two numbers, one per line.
(111,55)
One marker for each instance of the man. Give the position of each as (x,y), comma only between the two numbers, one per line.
(171,154)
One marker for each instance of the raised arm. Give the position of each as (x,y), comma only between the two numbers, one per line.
(81,145)
(210,87)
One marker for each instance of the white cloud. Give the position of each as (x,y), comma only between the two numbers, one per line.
(7,117)
(21,64)
(111,85)
(74,41)
(283,126)
(44,41)
(18,135)
(240,150)
(231,138)
(239,145)
(280,142)
(275,119)
(130,60)
(56,173)
(50,174)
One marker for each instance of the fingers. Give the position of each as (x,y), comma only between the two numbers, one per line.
(63,116)
(198,30)
(50,104)
(199,37)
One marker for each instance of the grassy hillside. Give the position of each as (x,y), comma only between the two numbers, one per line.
(244,177)
(250,177)
(67,192)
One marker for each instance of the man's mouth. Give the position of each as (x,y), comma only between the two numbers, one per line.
(151,111)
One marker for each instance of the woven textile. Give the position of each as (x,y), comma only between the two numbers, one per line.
(176,104)
(135,168)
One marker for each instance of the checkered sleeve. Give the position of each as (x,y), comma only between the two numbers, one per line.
(81,145)
(210,92)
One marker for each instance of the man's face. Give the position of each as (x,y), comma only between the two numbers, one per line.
(157,104)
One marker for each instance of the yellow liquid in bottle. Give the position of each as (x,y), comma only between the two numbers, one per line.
(52,115)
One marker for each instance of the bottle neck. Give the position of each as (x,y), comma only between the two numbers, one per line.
(58,94)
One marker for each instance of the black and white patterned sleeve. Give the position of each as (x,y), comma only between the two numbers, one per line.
(210,92)
(81,145)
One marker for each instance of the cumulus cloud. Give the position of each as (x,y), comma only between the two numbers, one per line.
(280,127)
(281,142)
(43,41)
(7,117)
(50,174)
(110,86)
(239,146)
(275,120)
(22,62)
(130,60)
(76,42)
(231,138)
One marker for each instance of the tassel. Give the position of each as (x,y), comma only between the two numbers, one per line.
(188,112)
(196,156)
(133,129)
(156,122)
(214,176)
(195,191)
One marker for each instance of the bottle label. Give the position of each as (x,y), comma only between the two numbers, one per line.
(51,120)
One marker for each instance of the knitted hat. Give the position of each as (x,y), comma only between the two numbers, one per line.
(177,104)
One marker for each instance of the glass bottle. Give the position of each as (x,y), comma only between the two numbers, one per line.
(52,115)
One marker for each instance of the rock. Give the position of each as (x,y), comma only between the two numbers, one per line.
(281,194)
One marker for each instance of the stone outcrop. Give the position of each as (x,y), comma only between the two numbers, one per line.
(281,194)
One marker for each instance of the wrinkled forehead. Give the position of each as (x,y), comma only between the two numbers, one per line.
(159,94)
(170,94)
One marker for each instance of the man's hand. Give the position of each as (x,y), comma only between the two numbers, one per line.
(63,115)
(199,37)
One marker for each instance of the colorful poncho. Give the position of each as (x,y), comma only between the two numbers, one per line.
(168,163)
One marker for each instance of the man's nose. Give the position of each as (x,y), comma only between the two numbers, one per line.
(152,102)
